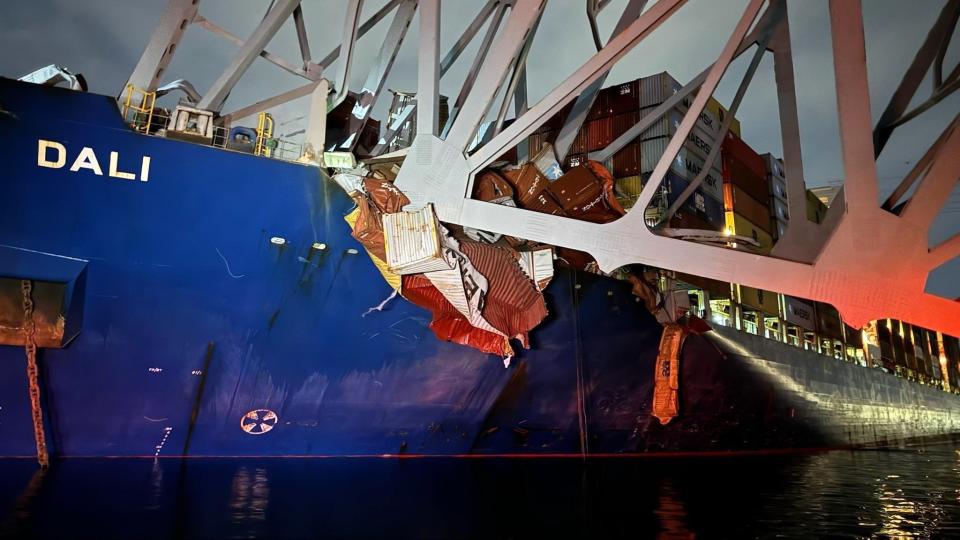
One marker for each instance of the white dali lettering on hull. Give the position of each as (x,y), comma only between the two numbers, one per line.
(86,159)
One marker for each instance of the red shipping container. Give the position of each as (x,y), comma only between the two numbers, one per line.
(624,97)
(624,121)
(738,173)
(737,149)
(528,182)
(626,162)
(579,144)
(601,106)
(582,195)
(598,133)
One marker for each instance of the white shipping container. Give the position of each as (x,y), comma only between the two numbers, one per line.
(538,265)
(656,89)
(774,166)
(781,228)
(669,122)
(778,187)
(413,242)
(780,210)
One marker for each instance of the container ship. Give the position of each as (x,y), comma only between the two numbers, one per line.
(188,288)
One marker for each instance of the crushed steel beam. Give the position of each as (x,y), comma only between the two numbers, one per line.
(342,79)
(372,87)
(478,61)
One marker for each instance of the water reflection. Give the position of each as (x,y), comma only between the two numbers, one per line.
(912,493)
(249,498)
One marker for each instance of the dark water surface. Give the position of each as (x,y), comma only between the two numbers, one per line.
(905,493)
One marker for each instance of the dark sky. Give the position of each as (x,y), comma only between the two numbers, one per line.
(104,38)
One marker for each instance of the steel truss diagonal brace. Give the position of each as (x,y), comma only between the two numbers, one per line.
(762,43)
(214,98)
(584,102)
(764,26)
(945,251)
(367,97)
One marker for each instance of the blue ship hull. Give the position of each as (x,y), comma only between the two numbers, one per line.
(188,316)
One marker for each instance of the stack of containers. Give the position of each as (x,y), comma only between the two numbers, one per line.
(746,196)
(618,108)
(779,206)
(746,192)
(704,208)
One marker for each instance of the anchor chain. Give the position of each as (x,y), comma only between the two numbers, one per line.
(30,344)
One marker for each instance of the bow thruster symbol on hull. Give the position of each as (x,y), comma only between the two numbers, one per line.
(258,421)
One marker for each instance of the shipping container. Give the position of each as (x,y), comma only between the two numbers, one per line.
(601,106)
(623,97)
(799,313)
(597,134)
(741,226)
(779,229)
(774,165)
(623,122)
(816,210)
(778,188)
(688,162)
(626,162)
(951,351)
(579,144)
(885,338)
(574,160)
(758,299)
(736,172)
(656,89)
(537,140)
(667,125)
(739,201)
(413,243)
(829,324)
(779,209)
(705,206)
(739,150)
(690,220)
(628,186)
(694,164)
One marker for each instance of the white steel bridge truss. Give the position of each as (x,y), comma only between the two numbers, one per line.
(869,260)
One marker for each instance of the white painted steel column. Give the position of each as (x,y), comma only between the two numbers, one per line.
(428,77)
(163,43)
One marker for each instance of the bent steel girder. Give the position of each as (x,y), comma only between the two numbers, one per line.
(873,265)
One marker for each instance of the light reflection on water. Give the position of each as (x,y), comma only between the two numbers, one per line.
(906,493)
